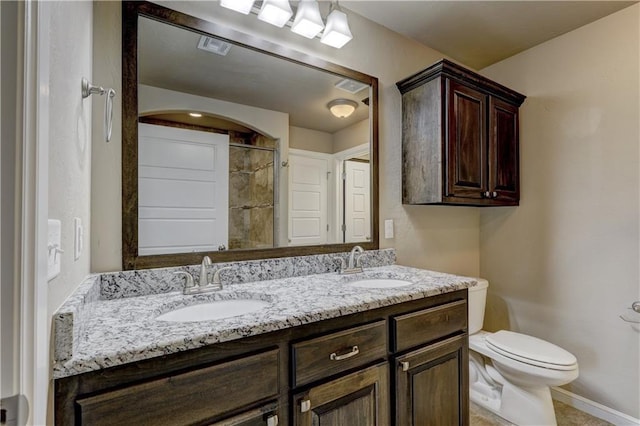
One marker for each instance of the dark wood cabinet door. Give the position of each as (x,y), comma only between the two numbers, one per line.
(431,385)
(504,180)
(466,142)
(358,399)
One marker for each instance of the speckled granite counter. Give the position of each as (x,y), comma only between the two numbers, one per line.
(112,331)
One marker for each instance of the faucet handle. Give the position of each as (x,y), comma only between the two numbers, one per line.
(188,279)
(216,275)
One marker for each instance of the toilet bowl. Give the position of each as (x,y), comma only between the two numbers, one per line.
(511,373)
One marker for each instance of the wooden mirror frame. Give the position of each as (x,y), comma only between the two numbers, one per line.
(130,257)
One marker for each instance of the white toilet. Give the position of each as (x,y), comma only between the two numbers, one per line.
(511,373)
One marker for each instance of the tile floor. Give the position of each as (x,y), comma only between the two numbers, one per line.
(565,415)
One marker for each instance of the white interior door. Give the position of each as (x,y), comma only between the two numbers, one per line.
(183,187)
(357,202)
(307,200)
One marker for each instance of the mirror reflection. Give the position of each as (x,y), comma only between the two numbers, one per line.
(238,149)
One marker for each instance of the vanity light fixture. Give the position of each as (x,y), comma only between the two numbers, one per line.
(242,6)
(337,32)
(275,12)
(308,21)
(195,114)
(342,108)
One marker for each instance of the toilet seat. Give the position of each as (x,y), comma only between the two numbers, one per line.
(531,350)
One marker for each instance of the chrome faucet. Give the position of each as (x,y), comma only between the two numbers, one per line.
(204,285)
(352,266)
(355,264)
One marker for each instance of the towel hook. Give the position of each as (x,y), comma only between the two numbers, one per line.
(89,89)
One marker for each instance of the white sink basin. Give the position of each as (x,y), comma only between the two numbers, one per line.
(214,310)
(380,283)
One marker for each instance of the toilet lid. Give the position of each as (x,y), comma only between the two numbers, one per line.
(531,350)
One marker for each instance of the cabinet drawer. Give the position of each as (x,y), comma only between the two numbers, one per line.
(423,326)
(327,355)
(189,397)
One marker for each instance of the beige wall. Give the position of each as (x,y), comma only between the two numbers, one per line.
(69,45)
(310,140)
(154,100)
(441,238)
(564,264)
(70,50)
(352,136)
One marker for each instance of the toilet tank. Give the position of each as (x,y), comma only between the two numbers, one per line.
(477,301)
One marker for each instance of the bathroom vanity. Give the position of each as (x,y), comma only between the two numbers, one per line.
(323,352)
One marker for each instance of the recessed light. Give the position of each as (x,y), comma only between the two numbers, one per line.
(195,114)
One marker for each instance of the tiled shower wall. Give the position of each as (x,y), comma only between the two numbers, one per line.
(251,195)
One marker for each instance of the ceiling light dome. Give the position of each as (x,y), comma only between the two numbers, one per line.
(308,21)
(342,108)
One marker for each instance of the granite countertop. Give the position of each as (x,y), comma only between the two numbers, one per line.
(124,330)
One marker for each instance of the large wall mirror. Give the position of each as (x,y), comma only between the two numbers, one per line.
(231,148)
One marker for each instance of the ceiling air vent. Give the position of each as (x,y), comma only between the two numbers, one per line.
(214,45)
(350,86)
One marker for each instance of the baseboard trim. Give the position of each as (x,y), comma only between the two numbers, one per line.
(595,409)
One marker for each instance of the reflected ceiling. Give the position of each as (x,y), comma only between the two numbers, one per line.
(169,58)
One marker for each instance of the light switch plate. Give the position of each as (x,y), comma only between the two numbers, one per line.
(388,228)
(54,258)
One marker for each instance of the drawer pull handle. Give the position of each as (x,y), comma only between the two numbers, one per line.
(335,357)
(305,406)
(272,420)
(404,365)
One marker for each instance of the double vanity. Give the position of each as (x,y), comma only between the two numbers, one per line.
(285,341)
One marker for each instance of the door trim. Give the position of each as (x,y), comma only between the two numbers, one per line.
(33,162)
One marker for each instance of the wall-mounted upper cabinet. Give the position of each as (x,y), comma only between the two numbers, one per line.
(459,138)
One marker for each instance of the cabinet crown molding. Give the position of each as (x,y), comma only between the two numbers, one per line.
(446,68)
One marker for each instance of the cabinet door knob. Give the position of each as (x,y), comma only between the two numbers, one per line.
(305,405)
(494,194)
(486,194)
(272,420)
(404,365)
